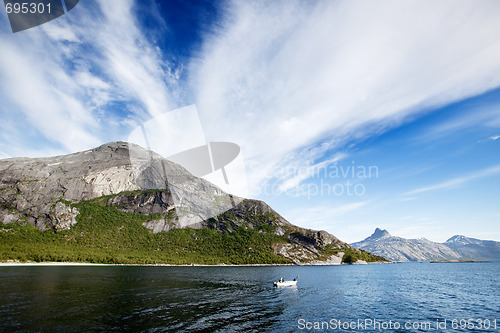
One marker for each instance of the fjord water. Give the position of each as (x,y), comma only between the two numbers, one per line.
(243,299)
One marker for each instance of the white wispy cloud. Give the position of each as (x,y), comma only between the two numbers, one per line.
(60,81)
(475,116)
(274,77)
(45,97)
(279,76)
(323,216)
(454,182)
(297,174)
(495,137)
(137,66)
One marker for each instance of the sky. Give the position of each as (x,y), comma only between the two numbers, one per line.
(350,115)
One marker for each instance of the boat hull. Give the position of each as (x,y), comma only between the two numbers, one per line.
(285,284)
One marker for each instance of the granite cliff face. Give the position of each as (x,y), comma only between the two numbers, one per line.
(38,191)
(42,191)
(456,248)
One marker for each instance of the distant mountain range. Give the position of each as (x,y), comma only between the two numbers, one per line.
(458,247)
(473,248)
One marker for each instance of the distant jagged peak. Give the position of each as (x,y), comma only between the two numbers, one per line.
(460,239)
(379,233)
(456,238)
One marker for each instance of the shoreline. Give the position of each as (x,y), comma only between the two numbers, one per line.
(29,263)
(10,264)
(7,264)
(457,261)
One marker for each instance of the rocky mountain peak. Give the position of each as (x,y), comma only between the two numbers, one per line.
(31,187)
(379,233)
(458,239)
(473,248)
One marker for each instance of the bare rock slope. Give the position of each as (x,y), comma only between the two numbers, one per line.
(474,249)
(38,190)
(456,248)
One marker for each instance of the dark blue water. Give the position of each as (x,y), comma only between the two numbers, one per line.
(242,299)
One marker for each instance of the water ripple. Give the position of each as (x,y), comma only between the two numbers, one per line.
(242,299)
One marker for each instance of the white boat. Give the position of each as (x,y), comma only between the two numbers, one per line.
(284,283)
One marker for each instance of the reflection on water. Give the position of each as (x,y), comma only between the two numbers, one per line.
(231,299)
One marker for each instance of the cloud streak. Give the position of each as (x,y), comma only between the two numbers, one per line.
(295,176)
(279,77)
(81,80)
(324,216)
(455,182)
(37,93)
(289,81)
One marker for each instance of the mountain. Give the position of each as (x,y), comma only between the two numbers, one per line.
(37,190)
(458,247)
(121,203)
(378,234)
(395,248)
(475,249)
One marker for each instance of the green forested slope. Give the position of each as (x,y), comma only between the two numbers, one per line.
(104,234)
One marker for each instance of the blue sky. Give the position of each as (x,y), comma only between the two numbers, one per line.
(310,91)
